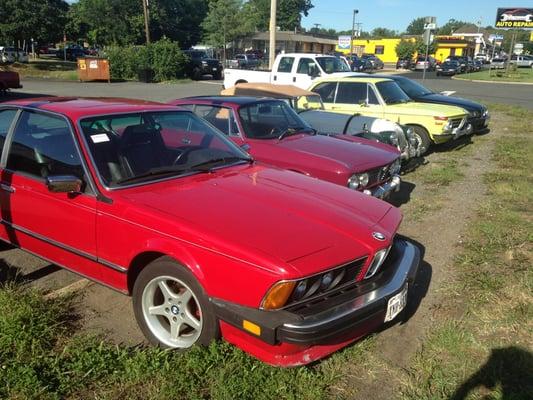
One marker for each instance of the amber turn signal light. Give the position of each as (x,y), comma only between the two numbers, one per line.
(278,295)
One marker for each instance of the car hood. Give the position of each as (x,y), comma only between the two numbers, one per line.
(449,100)
(355,155)
(427,109)
(280,220)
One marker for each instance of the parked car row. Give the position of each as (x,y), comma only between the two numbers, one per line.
(256,215)
(9,55)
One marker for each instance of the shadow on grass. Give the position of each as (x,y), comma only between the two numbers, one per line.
(508,369)
(452,145)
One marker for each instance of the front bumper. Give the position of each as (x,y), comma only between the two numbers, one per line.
(317,330)
(465,128)
(384,190)
(479,124)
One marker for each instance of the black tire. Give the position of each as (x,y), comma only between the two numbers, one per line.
(166,268)
(196,74)
(438,73)
(423,137)
(217,76)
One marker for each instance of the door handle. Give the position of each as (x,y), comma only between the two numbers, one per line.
(294,79)
(275,77)
(7,188)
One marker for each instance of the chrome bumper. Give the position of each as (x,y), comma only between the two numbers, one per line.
(465,128)
(383,191)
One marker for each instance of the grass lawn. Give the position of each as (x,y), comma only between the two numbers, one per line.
(51,68)
(520,75)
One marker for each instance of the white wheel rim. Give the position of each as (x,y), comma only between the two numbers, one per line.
(172,312)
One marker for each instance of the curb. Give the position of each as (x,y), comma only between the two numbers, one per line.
(482,81)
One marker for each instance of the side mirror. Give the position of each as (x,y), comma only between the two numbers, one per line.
(245,146)
(314,73)
(63,184)
(364,103)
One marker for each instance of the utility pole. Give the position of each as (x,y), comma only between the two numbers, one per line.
(272,39)
(353,31)
(146,20)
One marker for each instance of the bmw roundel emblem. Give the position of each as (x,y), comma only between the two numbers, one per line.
(378,236)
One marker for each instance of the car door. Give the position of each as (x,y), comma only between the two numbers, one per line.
(357,97)
(283,73)
(59,227)
(306,71)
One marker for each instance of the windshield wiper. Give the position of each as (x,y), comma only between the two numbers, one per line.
(206,166)
(291,130)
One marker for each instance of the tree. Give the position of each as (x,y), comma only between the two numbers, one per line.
(383,33)
(288,17)
(406,49)
(420,47)
(41,20)
(450,27)
(416,27)
(222,24)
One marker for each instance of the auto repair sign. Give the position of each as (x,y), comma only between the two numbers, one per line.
(514,18)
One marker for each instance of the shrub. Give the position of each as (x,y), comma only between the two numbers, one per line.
(164,57)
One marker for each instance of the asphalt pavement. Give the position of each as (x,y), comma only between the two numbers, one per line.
(484,92)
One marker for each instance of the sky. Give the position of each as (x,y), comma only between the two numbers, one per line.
(397,14)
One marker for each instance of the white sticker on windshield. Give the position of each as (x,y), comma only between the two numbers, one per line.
(100,138)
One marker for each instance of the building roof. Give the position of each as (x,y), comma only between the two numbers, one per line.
(290,36)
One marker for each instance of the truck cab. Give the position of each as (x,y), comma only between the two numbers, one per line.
(298,69)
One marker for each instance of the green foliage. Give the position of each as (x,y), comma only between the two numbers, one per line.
(41,20)
(416,26)
(384,33)
(406,49)
(450,27)
(164,57)
(288,17)
(40,359)
(121,22)
(224,22)
(420,47)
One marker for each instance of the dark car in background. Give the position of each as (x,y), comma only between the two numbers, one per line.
(71,53)
(245,61)
(359,64)
(201,64)
(374,60)
(463,62)
(404,63)
(478,115)
(448,68)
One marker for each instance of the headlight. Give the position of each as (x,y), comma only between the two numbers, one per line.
(394,138)
(474,114)
(486,114)
(204,62)
(379,257)
(358,180)
(395,167)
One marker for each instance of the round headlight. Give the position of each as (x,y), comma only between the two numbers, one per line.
(353,182)
(394,138)
(363,179)
(326,281)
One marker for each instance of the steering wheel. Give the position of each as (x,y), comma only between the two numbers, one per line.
(184,153)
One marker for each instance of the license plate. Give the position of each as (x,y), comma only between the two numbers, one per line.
(396,305)
(214,69)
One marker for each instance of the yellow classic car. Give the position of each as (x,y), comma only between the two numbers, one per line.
(383,98)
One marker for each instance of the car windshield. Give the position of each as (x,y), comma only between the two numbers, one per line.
(198,54)
(271,120)
(147,146)
(392,93)
(413,88)
(331,65)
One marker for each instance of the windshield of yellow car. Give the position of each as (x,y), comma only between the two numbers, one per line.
(392,93)
(413,88)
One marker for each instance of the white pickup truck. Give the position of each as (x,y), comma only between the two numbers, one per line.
(522,61)
(298,69)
